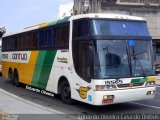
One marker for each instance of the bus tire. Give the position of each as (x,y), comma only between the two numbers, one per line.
(10,76)
(16,79)
(65,93)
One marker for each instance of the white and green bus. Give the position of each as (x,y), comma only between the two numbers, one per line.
(98,59)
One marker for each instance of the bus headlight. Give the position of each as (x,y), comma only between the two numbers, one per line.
(105,87)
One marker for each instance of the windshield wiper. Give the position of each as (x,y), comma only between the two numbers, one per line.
(129,61)
(135,57)
(138,53)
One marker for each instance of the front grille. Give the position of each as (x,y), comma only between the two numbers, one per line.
(130,85)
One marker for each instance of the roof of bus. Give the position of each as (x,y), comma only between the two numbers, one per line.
(38,26)
(92,15)
(109,16)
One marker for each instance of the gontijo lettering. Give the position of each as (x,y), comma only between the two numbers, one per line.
(19,56)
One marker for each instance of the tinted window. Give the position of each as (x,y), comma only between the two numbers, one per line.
(30,40)
(48,38)
(23,41)
(35,40)
(64,35)
(80,28)
(56,35)
(42,42)
(120,28)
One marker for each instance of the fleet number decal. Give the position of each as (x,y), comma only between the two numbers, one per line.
(113,82)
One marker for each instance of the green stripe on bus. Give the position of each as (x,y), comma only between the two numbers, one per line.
(46,69)
(38,68)
(58,21)
(139,80)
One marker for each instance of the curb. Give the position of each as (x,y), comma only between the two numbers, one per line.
(14,117)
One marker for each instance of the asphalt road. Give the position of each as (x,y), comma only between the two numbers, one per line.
(149,107)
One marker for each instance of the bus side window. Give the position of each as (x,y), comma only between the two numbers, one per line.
(4,44)
(15,43)
(64,35)
(19,41)
(30,40)
(7,45)
(41,39)
(80,28)
(35,40)
(12,43)
(48,38)
(56,36)
(24,41)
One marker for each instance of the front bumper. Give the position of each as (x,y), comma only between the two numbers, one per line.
(125,95)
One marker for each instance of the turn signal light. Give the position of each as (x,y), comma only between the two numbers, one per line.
(108,99)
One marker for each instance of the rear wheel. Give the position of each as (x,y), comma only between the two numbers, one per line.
(16,79)
(65,92)
(10,76)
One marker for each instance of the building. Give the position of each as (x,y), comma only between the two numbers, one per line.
(65,10)
(149,9)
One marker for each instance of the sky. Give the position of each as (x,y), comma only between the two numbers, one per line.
(18,14)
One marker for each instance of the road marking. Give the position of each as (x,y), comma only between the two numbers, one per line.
(145,105)
(38,105)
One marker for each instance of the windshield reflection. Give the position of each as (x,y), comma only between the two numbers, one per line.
(102,59)
(141,58)
(115,61)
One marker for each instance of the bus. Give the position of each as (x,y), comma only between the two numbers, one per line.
(2,31)
(99,59)
(0,56)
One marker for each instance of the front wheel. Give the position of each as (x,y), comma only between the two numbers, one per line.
(65,92)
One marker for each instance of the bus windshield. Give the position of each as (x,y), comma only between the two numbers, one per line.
(125,53)
(119,28)
(116,58)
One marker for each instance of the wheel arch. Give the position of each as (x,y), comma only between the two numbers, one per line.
(61,79)
(10,69)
